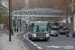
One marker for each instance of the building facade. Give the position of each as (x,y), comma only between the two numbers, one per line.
(5,3)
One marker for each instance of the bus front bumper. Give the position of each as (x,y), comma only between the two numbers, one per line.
(40,38)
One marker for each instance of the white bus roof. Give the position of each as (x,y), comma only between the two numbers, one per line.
(39,21)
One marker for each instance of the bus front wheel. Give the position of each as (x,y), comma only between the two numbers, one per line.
(46,40)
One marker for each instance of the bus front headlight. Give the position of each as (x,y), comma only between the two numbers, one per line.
(47,35)
(34,35)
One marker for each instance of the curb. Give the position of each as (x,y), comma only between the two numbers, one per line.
(21,42)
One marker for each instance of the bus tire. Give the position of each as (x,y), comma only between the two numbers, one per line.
(73,36)
(57,35)
(29,38)
(67,35)
(46,40)
(32,39)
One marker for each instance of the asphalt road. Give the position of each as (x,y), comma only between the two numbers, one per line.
(54,43)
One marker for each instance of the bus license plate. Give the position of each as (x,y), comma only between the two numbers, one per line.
(41,38)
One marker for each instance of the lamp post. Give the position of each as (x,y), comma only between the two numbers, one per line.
(10,18)
(9,22)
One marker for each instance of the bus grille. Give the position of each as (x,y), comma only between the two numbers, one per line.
(41,34)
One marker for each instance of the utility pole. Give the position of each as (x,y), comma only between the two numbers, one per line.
(10,20)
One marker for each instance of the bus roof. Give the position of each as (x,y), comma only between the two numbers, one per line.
(39,22)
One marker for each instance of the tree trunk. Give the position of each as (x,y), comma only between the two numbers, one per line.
(67,20)
(73,21)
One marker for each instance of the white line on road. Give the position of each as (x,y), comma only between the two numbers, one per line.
(31,42)
(35,44)
(39,47)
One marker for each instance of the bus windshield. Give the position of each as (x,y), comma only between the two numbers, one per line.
(56,24)
(40,28)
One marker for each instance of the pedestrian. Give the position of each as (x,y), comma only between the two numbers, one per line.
(26,28)
(67,33)
(17,29)
(14,25)
(14,29)
(11,30)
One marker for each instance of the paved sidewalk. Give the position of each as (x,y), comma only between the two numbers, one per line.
(15,43)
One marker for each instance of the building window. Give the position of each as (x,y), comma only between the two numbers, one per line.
(5,4)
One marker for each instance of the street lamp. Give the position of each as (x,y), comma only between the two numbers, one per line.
(10,18)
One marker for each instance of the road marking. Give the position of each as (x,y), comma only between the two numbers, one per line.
(66,37)
(31,42)
(39,47)
(35,44)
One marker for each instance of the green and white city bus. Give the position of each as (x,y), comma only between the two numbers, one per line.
(55,26)
(39,30)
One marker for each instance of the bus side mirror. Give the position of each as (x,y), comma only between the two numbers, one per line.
(32,25)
